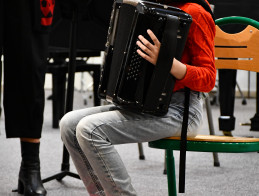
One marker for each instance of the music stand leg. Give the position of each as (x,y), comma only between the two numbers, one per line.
(65,166)
(69,99)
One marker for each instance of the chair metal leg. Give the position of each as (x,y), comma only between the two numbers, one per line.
(96,81)
(241,94)
(171,179)
(141,152)
(58,97)
(211,128)
(165,168)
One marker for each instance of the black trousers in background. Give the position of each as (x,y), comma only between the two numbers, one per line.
(25,43)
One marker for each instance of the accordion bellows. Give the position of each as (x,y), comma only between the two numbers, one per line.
(129,81)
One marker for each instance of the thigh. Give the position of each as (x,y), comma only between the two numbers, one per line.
(72,118)
(122,126)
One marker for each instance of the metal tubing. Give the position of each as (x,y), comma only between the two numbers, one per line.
(171,179)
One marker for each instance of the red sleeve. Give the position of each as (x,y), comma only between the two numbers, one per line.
(199,51)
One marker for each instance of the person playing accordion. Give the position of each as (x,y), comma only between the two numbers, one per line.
(90,134)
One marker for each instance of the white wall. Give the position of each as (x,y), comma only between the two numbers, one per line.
(243,81)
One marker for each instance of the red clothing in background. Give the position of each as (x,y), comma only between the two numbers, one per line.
(198,54)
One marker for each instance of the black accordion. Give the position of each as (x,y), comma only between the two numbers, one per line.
(128,80)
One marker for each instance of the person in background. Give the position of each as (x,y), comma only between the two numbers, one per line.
(26,26)
(91,133)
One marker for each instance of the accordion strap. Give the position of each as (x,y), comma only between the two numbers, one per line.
(183,144)
(164,62)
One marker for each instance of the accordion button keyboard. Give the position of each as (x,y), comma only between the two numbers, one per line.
(134,66)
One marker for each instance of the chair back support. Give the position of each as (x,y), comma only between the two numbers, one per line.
(238,50)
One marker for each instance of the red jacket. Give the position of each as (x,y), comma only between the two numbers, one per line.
(198,54)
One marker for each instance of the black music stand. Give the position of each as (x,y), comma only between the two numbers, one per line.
(102,17)
(65,166)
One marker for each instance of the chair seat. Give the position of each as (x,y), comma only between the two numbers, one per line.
(210,143)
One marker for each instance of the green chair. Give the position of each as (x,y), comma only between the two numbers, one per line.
(233,51)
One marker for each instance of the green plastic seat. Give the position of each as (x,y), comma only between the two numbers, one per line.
(229,55)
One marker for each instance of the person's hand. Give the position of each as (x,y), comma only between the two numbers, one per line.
(148,50)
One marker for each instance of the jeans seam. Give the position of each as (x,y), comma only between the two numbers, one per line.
(89,167)
(99,154)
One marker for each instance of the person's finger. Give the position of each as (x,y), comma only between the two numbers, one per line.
(145,56)
(145,42)
(144,48)
(153,37)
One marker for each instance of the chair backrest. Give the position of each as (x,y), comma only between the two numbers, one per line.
(237,50)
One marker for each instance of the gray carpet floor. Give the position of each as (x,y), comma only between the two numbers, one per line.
(238,174)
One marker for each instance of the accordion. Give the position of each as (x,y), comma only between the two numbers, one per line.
(128,80)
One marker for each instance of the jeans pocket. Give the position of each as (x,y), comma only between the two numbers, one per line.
(43,11)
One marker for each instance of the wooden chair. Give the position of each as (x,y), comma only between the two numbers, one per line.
(233,51)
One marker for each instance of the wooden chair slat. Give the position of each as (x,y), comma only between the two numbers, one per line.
(223,52)
(216,138)
(234,64)
(237,51)
(243,38)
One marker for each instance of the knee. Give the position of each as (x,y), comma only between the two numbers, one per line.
(67,127)
(83,131)
(87,132)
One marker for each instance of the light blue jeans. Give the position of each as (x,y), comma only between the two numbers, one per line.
(90,135)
